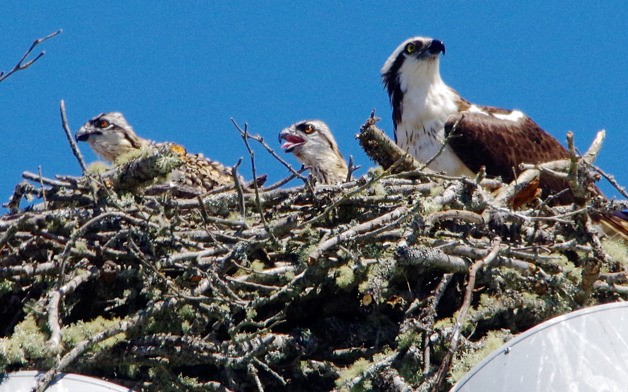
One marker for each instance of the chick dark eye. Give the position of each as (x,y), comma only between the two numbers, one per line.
(410,48)
(102,123)
(309,130)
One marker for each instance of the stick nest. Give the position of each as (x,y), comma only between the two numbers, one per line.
(398,280)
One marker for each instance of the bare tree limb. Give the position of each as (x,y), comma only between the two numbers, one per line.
(21,65)
(238,187)
(272,152)
(68,134)
(245,137)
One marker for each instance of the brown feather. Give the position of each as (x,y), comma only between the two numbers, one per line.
(527,194)
(615,226)
(502,145)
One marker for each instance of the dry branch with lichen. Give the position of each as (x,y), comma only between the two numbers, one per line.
(395,281)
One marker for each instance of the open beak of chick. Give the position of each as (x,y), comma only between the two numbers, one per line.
(291,140)
(83,134)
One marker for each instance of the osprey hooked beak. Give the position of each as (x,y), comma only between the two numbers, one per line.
(83,134)
(292,140)
(92,128)
(435,47)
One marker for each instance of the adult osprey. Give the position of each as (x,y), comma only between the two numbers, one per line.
(426,112)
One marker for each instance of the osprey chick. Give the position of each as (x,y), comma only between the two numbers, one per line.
(314,146)
(426,112)
(111,136)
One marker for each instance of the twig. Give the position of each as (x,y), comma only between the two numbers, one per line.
(556,218)
(351,169)
(590,273)
(509,192)
(245,136)
(354,231)
(21,189)
(437,294)
(68,134)
(465,216)
(614,277)
(252,370)
(604,287)
(595,148)
(53,305)
(273,373)
(610,178)
(284,181)
(43,189)
(578,188)
(45,181)
(462,314)
(21,64)
(238,187)
(382,150)
(30,270)
(371,370)
(442,147)
(260,140)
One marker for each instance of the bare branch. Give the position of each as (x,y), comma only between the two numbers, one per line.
(68,134)
(53,305)
(238,187)
(351,169)
(21,65)
(284,181)
(595,148)
(384,151)
(245,137)
(354,231)
(272,152)
(611,179)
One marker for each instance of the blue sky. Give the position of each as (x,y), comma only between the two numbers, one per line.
(180,70)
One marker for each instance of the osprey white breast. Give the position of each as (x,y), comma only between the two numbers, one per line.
(422,102)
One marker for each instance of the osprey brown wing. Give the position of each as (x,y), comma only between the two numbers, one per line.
(501,145)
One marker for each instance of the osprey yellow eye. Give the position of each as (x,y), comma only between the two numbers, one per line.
(308,130)
(410,48)
(103,124)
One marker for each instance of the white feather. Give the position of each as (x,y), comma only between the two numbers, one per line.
(515,116)
(426,105)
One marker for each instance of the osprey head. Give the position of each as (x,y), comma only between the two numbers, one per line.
(314,146)
(416,49)
(307,138)
(413,53)
(412,67)
(109,135)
